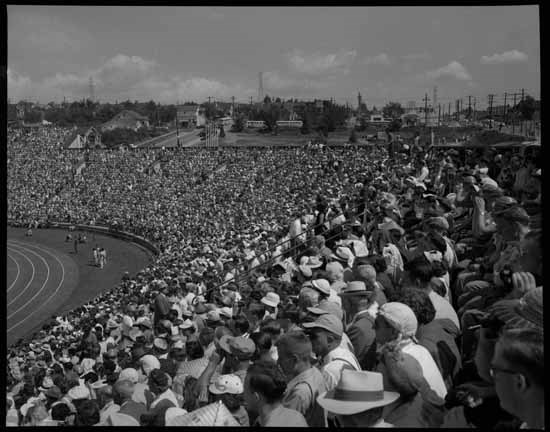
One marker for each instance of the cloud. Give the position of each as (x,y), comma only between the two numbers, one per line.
(453,70)
(513,56)
(122,77)
(19,86)
(380,59)
(321,64)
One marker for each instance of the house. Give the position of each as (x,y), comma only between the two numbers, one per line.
(126,120)
(83,138)
(187,116)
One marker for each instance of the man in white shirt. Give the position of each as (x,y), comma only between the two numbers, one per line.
(326,337)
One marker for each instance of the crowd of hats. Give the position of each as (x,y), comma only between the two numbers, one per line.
(221,220)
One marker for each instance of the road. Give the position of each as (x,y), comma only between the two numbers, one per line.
(187,139)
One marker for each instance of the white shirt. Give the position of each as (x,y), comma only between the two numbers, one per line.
(429,368)
(331,366)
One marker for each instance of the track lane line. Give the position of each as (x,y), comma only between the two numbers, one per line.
(51,295)
(18,272)
(30,280)
(41,288)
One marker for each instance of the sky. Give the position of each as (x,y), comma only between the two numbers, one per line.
(171,54)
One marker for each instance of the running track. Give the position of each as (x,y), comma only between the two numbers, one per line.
(45,277)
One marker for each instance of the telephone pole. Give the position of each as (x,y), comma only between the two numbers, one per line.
(250,100)
(449,111)
(491,109)
(457,110)
(470,108)
(426,109)
(439,115)
(475,100)
(514,114)
(460,108)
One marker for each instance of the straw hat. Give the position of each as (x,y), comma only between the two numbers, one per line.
(271,299)
(357,391)
(231,384)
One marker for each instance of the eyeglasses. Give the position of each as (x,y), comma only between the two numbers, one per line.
(494,369)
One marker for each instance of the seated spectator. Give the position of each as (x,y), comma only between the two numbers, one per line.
(264,388)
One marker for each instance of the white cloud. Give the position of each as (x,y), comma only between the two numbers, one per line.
(122,77)
(453,70)
(19,86)
(513,56)
(380,59)
(320,64)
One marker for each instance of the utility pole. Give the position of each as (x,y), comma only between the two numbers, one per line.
(233,105)
(475,100)
(521,120)
(505,108)
(449,111)
(177,126)
(470,108)
(439,115)
(426,109)
(250,100)
(457,110)
(514,114)
(491,109)
(460,108)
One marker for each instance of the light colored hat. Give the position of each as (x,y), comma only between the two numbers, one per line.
(357,391)
(79,392)
(343,254)
(186,324)
(327,322)
(129,374)
(400,316)
(231,384)
(355,288)
(321,285)
(240,347)
(271,299)
(160,344)
(172,413)
(226,312)
(148,363)
(312,262)
(135,333)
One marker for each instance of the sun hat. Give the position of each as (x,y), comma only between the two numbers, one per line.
(186,324)
(160,344)
(178,345)
(99,384)
(145,322)
(213,316)
(312,262)
(129,374)
(135,333)
(327,307)
(112,324)
(79,392)
(231,384)
(321,285)
(524,312)
(400,316)
(357,391)
(149,362)
(226,312)
(327,322)
(343,254)
(240,347)
(271,299)
(355,288)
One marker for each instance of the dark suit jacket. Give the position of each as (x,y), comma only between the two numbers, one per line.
(134,409)
(362,335)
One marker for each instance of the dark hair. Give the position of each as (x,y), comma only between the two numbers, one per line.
(524,349)
(263,343)
(267,379)
(194,349)
(379,263)
(232,401)
(241,324)
(420,268)
(60,412)
(419,301)
(272,327)
(206,336)
(87,413)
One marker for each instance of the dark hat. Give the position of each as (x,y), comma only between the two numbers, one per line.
(240,347)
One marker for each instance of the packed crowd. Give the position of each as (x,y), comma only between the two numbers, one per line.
(294,287)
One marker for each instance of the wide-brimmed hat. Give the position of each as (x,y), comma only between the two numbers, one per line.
(312,262)
(160,344)
(271,299)
(357,391)
(343,254)
(321,285)
(524,312)
(47,383)
(231,384)
(86,366)
(327,322)
(213,316)
(355,288)
(186,324)
(226,312)
(240,347)
(325,307)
